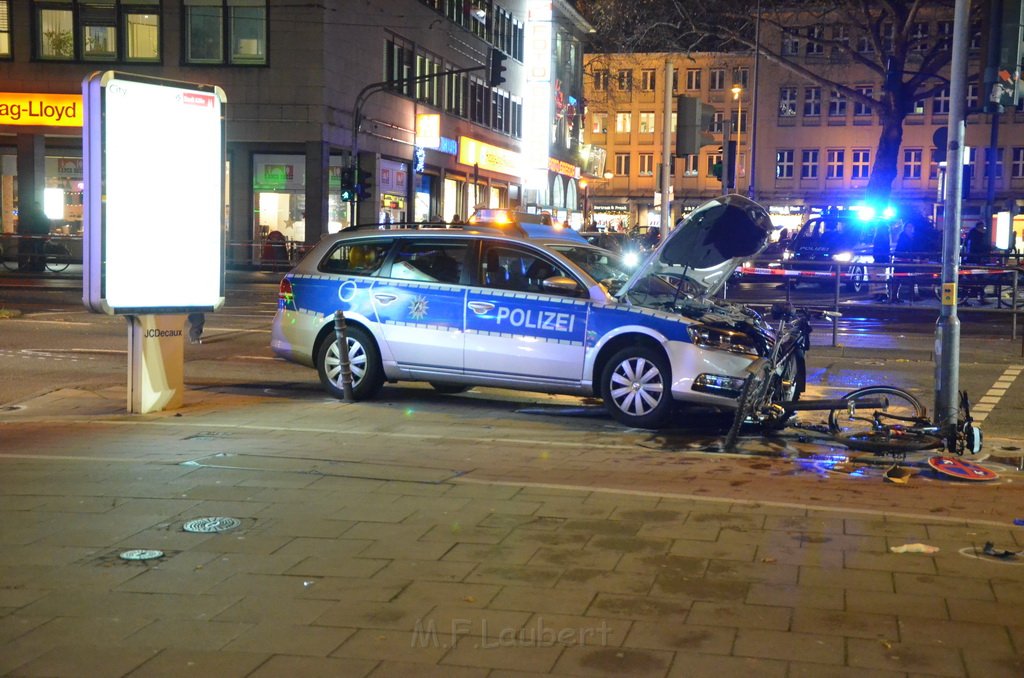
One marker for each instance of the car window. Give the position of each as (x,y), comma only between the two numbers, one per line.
(430,260)
(519,270)
(356,258)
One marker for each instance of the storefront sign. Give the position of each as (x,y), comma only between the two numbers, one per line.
(488,157)
(69,167)
(428,130)
(564,168)
(394,202)
(449,146)
(52,110)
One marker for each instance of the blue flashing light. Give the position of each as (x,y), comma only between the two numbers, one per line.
(865,212)
(889,212)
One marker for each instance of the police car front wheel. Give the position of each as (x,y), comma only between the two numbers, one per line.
(635,386)
(364,362)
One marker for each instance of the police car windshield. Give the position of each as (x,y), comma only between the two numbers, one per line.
(612,271)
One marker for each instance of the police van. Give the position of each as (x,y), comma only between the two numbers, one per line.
(491,305)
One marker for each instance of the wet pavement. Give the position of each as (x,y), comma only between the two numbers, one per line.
(455,536)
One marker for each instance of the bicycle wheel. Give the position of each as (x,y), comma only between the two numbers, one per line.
(785,387)
(11,264)
(898,403)
(58,258)
(751,400)
(889,442)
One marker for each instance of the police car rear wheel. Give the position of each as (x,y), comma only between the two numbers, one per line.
(635,387)
(364,361)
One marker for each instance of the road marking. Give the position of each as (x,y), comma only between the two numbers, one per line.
(989,401)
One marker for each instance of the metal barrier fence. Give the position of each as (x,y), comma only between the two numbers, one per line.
(1001,286)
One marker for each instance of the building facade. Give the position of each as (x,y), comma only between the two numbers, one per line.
(801,147)
(436,138)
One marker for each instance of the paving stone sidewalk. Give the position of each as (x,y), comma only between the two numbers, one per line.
(385,569)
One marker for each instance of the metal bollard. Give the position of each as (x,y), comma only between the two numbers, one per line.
(341,337)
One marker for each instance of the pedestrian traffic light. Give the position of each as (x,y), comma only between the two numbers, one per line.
(348,184)
(496,74)
(364,185)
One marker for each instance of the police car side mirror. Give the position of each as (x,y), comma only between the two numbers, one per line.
(560,285)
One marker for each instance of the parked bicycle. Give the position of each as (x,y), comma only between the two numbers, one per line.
(55,256)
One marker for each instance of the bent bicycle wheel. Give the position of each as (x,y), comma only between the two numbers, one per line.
(889,442)
(897,403)
(751,399)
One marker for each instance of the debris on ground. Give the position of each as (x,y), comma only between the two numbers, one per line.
(898,475)
(914,548)
(991,550)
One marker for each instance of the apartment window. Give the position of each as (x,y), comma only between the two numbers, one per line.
(623,123)
(646,164)
(675,119)
(225,31)
(861,109)
(784,164)
(675,80)
(718,122)
(1017,168)
(973,91)
(841,35)
(940,104)
(975,44)
(835,159)
(5,30)
(599,123)
(812,101)
(787,102)
(624,80)
(912,158)
(809,163)
(693,78)
(887,36)
(837,105)
(622,164)
(87,30)
(646,123)
(790,44)
(864,44)
(601,81)
(945,31)
(815,34)
(861,163)
(647,79)
(714,159)
(740,76)
(919,37)
(917,108)
(717,79)
(428,89)
(691,164)
(999,161)
(399,65)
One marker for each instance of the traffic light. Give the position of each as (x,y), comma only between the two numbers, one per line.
(496,74)
(692,124)
(364,185)
(725,169)
(348,184)
(1003,43)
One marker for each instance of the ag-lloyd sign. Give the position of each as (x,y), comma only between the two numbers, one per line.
(50,110)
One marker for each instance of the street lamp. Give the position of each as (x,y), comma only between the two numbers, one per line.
(736,91)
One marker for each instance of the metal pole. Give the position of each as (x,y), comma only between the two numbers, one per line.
(947,329)
(341,336)
(666,153)
(751,188)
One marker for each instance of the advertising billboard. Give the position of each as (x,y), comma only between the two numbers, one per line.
(153,153)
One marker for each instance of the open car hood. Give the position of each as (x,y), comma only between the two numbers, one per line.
(704,248)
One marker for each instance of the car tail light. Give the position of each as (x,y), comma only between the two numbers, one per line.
(284,291)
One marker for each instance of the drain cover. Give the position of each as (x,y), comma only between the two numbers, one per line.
(142,554)
(217,524)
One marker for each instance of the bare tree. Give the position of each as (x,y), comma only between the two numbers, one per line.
(887,38)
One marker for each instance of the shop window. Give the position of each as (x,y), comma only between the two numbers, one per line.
(5,30)
(88,30)
(226,31)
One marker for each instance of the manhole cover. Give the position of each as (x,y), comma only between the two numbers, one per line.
(142,554)
(216,524)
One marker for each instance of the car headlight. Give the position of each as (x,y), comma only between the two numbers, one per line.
(721,339)
(787,255)
(842,257)
(631,259)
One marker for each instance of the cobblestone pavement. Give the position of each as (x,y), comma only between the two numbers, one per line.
(407,538)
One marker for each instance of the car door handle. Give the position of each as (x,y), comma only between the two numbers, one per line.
(480,307)
(385,299)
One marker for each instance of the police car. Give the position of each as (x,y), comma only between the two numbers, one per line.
(493,305)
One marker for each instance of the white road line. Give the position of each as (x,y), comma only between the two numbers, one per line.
(988,402)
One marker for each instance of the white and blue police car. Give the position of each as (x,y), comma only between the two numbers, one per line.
(491,304)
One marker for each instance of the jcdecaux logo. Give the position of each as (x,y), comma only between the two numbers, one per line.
(160,334)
